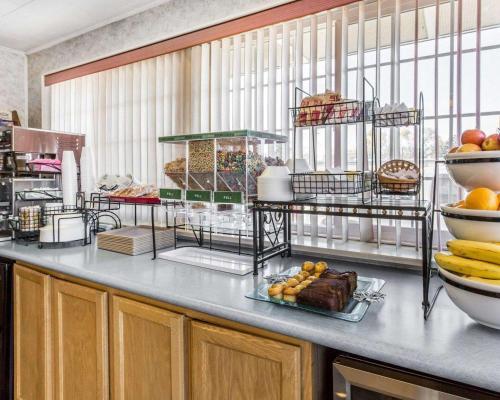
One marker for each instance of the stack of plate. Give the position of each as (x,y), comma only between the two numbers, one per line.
(134,240)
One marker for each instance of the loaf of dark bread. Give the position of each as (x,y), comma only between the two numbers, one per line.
(350,276)
(330,294)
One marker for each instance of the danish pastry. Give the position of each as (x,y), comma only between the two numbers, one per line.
(305,274)
(320,266)
(276,290)
(306,283)
(290,294)
(292,282)
(308,266)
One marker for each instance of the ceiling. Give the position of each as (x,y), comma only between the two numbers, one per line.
(29,25)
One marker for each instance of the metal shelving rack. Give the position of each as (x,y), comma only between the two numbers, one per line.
(201,229)
(101,206)
(336,113)
(272,220)
(411,118)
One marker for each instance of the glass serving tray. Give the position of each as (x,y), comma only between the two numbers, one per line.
(353,311)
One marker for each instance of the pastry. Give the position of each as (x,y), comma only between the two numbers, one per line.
(317,274)
(320,266)
(305,274)
(300,286)
(276,290)
(292,282)
(312,278)
(290,294)
(308,266)
(299,277)
(306,283)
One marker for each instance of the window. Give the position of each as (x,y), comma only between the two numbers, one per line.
(248,81)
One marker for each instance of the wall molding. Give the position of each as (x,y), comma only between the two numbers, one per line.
(280,13)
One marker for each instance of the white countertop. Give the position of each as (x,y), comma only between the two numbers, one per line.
(448,345)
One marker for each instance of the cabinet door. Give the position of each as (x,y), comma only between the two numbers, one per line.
(32,355)
(80,330)
(227,364)
(148,352)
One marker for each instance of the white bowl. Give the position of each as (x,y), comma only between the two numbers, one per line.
(478,225)
(274,188)
(472,284)
(477,302)
(475,169)
(276,172)
(301,165)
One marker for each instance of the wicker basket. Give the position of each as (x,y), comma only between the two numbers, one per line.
(398,185)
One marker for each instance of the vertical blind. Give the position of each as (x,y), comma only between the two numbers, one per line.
(446,49)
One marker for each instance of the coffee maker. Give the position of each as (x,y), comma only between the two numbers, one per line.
(30,168)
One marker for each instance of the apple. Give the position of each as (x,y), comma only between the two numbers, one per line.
(453,150)
(474,136)
(468,147)
(491,142)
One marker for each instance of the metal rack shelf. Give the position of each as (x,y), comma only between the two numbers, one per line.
(393,120)
(272,227)
(341,112)
(397,119)
(103,206)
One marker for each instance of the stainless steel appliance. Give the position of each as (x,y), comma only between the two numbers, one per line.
(356,379)
(22,182)
(6,335)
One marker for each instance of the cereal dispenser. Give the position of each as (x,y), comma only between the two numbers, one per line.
(224,162)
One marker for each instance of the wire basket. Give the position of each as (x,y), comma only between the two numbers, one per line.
(341,112)
(327,183)
(387,184)
(26,225)
(394,119)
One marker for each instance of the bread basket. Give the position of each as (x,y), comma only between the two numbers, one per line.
(394,184)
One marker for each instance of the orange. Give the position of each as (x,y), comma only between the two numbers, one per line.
(482,199)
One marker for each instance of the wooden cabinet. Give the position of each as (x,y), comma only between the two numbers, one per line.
(147,352)
(61,349)
(32,361)
(80,341)
(230,365)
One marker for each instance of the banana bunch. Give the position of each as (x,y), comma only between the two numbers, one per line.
(477,261)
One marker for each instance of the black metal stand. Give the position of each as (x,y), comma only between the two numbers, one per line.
(272,227)
(103,206)
(199,232)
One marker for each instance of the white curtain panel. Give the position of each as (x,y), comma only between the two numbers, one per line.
(447,49)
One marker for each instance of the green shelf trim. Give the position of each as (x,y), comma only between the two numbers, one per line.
(223,134)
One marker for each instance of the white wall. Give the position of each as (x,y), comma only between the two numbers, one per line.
(13,81)
(167,20)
